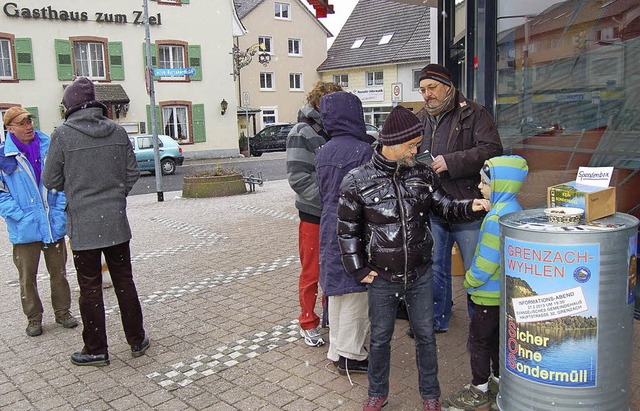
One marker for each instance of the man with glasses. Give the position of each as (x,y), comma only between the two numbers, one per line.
(386,244)
(35,219)
(460,135)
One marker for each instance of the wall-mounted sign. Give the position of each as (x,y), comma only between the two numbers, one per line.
(396,91)
(369,94)
(12,9)
(174,72)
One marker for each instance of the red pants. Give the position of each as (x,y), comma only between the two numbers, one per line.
(309,247)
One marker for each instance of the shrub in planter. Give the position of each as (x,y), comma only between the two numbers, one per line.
(220,181)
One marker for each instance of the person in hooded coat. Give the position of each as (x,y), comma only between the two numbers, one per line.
(501,178)
(304,139)
(343,118)
(91,158)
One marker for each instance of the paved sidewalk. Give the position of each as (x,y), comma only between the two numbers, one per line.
(218,283)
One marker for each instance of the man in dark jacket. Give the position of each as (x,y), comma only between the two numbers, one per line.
(385,242)
(91,158)
(460,135)
(304,139)
(343,118)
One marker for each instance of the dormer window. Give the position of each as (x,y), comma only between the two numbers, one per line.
(386,38)
(358,43)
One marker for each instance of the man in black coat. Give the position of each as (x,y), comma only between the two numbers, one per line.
(460,135)
(386,243)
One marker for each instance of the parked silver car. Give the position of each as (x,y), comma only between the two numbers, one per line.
(170,153)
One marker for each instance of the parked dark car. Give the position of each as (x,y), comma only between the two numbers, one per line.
(170,153)
(531,126)
(271,138)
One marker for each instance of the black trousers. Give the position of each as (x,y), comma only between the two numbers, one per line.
(89,268)
(484,341)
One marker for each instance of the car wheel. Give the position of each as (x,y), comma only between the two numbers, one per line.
(168,166)
(256,153)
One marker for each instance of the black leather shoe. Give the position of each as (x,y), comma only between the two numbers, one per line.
(97,360)
(352,366)
(138,350)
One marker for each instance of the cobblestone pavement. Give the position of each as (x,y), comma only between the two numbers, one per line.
(218,283)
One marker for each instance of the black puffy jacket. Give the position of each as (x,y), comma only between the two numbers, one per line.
(383,215)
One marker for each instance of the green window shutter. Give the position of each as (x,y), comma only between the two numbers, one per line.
(158,120)
(24,59)
(184,1)
(199,131)
(36,120)
(63,59)
(116,63)
(194,61)
(154,55)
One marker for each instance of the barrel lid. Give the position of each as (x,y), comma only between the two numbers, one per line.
(536,220)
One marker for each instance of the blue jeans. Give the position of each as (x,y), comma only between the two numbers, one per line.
(383,304)
(444,235)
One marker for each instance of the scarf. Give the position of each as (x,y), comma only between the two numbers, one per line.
(32,152)
(446,105)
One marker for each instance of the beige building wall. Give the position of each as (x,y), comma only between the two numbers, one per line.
(301,25)
(213,33)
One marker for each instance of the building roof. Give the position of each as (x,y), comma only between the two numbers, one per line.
(111,93)
(371,20)
(244,7)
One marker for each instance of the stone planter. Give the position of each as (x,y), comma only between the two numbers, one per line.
(213,186)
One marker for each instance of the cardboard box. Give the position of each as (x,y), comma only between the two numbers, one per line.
(457,267)
(597,202)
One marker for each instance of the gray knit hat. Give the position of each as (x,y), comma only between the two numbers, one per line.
(400,126)
(81,94)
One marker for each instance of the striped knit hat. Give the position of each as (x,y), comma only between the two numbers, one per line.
(438,73)
(400,126)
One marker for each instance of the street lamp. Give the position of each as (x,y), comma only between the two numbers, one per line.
(243,58)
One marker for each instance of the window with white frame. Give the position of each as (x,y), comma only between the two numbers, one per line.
(171,56)
(268,115)
(89,59)
(175,122)
(266,81)
(282,11)
(341,79)
(6,62)
(295,81)
(265,43)
(294,47)
(2,129)
(386,38)
(416,79)
(358,42)
(374,78)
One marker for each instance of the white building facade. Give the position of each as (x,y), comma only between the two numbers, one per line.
(44,46)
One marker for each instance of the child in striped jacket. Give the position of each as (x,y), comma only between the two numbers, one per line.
(500,180)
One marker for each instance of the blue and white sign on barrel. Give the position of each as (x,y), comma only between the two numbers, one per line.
(174,72)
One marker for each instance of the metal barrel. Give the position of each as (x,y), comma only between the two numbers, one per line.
(566,312)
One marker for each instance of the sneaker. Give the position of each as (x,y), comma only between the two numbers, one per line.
(34,328)
(431,405)
(375,403)
(312,337)
(347,365)
(67,320)
(467,399)
(138,350)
